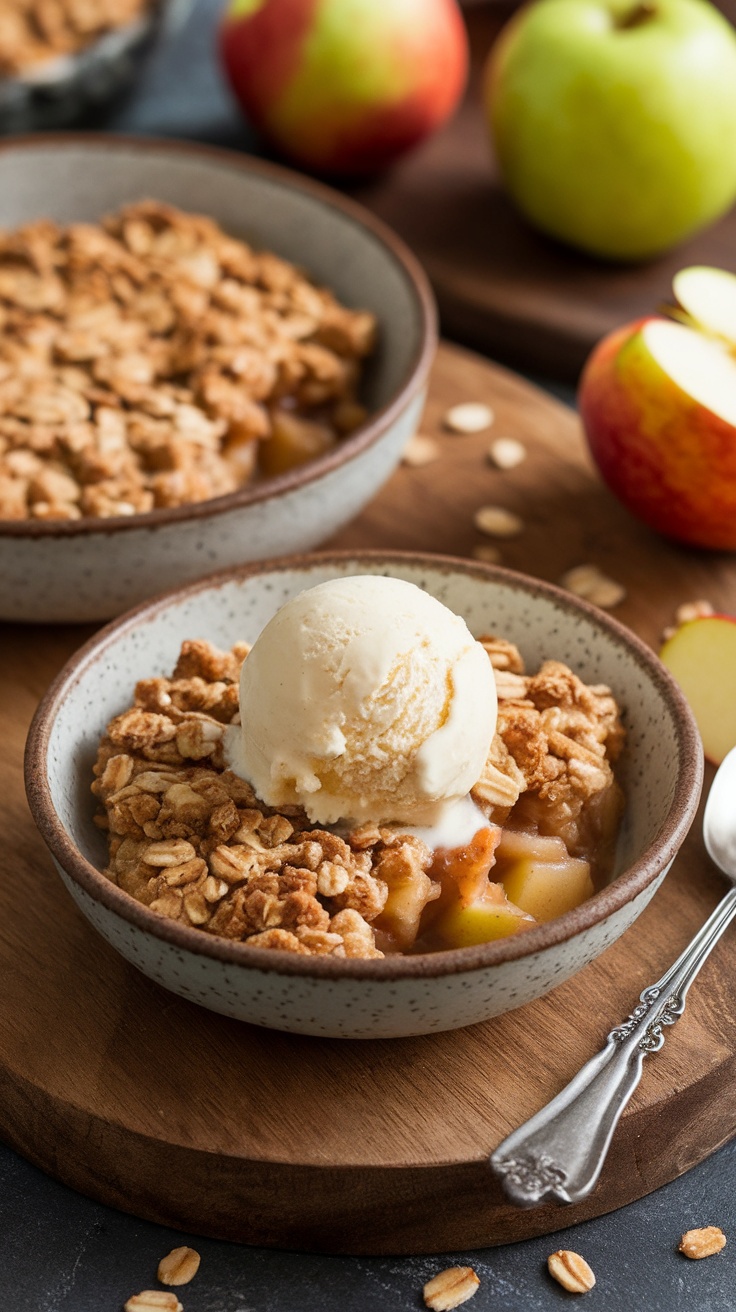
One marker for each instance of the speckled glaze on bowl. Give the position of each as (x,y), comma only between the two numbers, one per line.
(94,568)
(661,773)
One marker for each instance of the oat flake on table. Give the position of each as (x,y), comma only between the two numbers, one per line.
(469,417)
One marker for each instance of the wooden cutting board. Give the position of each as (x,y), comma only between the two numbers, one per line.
(148,1103)
(502,287)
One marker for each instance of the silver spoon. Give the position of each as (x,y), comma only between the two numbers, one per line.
(557,1155)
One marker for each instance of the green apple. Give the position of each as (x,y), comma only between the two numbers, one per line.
(614,121)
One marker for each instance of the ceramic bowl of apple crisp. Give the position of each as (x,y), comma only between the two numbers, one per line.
(363,795)
(204,360)
(60,59)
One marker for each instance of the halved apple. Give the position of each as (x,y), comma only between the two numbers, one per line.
(658,403)
(702,656)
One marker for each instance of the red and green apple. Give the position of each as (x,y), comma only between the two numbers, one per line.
(345,86)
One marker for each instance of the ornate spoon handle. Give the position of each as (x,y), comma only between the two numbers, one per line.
(558,1154)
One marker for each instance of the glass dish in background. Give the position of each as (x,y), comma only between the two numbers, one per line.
(58,91)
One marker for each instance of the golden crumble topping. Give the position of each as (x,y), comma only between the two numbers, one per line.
(190,839)
(552,756)
(33,31)
(153,361)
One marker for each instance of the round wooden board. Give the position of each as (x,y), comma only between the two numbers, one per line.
(147,1102)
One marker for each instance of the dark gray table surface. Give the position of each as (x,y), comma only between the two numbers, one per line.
(63,1253)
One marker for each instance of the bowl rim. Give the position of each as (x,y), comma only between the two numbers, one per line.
(365,436)
(622,890)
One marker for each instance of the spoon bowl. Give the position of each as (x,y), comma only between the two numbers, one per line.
(719,820)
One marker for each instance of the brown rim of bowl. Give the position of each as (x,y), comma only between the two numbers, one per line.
(596,909)
(345,450)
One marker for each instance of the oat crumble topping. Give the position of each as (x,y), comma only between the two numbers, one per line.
(153,361)
(190,839)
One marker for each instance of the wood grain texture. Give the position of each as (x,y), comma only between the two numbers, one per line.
(151,1104)
(502,287)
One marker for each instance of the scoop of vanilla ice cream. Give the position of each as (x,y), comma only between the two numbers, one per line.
(365,699)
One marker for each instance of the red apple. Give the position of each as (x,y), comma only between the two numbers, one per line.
(658,403)
(702,656)
(345,86)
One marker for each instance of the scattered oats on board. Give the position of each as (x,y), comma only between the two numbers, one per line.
(689,610)
(702,1243)
(497,522)
(590,583)
(154,1300)
(486,552)
(506,453)
(420,450)
(469,417)
(179,1266)
(693,610)
(450,1288)
(571,1271)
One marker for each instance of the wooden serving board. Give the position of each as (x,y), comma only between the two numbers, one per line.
(149,1103)
(502,287)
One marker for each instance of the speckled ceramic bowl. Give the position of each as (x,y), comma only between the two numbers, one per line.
(90,568)
(661,773)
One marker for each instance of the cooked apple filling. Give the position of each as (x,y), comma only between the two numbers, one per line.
(192,841)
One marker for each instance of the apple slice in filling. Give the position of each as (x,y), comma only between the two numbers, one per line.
(463,925)
(471,909)
(540,876)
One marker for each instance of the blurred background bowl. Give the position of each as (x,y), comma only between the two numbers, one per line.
(57,92)
(660,771)
(91,569)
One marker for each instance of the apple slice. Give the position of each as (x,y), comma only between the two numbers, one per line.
(293,441)
(519,845)
(708,297)
(702,367)
(702,656)
(547,889)
(488,918)
(409,891)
